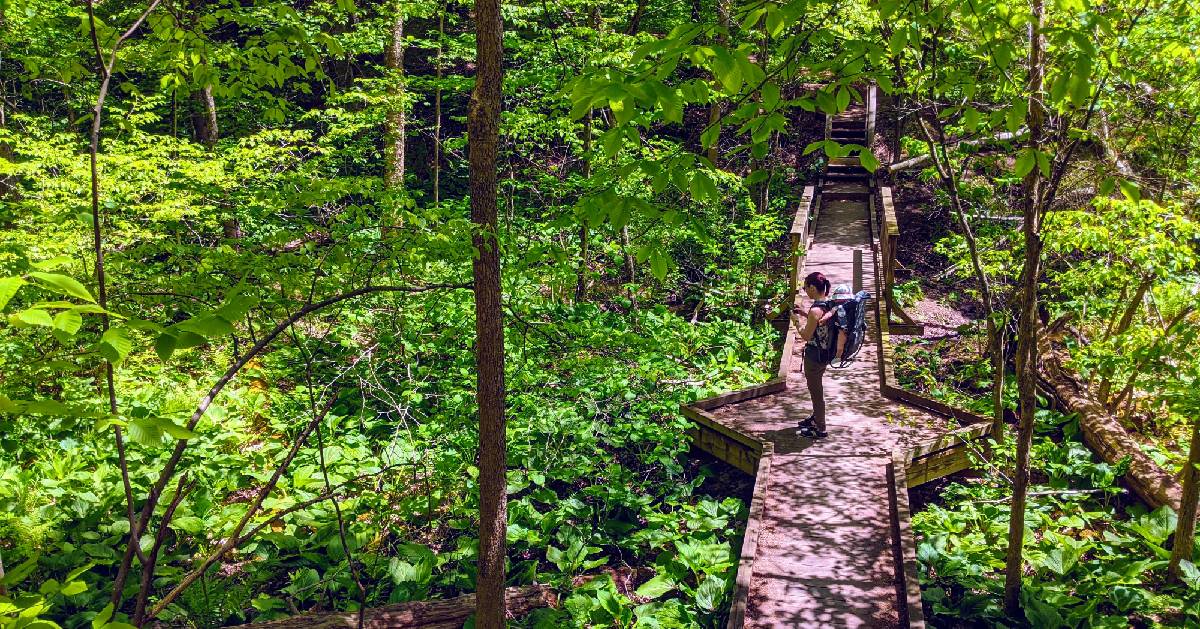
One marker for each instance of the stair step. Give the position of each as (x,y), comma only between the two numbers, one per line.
(848,138)
(844,162)
(849,125)
(843,191)
(862,176)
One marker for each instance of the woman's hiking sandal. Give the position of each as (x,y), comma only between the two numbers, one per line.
(811,432)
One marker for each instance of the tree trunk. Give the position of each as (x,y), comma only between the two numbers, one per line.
(581,280)
(483,128)
(207,132)
(945,170)
(635,23)
(393,59)
(1185,531)
(1105,435)
(714,109)
(1131,308)
(1027,353)
(437,111)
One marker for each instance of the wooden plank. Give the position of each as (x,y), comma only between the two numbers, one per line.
(741,586)
(904,546)
(939,465)
(800,221)
(707,421)
(872,108)
(774,385)
(892,228)
(908,329)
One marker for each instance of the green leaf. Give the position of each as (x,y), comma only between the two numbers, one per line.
(32,316)
(710,135)
(103,617)
(702,187)
(171,428)
(63,284)
(812,146)
(1025,162)
(656,587)
(73,588)
(843,98)
(970,119)
(1129,598)
(207,325)
(68,321)
(115,345)
(8,288)
(236,307)
(1130,190)
(659,262)
(770,96)
(868,160)
(710,593)
(164,346)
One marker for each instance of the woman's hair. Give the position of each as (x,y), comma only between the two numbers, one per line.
(818,281)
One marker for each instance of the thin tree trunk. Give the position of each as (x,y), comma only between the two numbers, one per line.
(1027,324)
(483,128)
(635,23)
(581,279)
(1185,531)
(437,111)
(105,70)
(714,109)
(949,181)
(207,132)
(1131,308)
(393,176)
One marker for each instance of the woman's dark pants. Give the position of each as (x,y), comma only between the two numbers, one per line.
(814,372)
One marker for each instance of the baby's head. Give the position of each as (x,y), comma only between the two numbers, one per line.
(841,292)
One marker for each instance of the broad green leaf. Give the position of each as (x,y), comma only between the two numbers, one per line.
(702,187)
(843,98)
(171,428)
(770,96)
(73,588)
(207,325)
(868,160)
(656,587)
(63,284)
(1025,162)
(8,288)
(115,344)
(659,262)
(710,593)
(31,316)
(710,135)
(68,321)
(164,346)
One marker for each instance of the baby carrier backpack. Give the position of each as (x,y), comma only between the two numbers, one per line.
(851,320)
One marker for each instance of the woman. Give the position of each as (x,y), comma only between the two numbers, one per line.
(815,335)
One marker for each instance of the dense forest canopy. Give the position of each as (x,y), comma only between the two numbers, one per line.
(284,308)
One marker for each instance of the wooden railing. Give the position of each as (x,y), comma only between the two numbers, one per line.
(913,466)
(889,240)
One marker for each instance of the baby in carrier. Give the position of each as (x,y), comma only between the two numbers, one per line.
(841,295)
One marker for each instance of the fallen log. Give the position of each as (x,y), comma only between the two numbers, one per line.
(1103,433)
(448,613)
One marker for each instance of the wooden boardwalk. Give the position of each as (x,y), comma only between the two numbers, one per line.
(826,552)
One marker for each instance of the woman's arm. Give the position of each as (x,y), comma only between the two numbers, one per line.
(810,326)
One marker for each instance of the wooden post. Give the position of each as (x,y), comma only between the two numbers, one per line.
(858,270)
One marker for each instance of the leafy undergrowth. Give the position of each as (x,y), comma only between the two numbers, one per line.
(1094,557)
(599,479)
